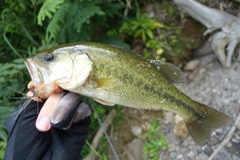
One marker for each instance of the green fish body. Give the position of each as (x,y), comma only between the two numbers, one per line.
(112,75)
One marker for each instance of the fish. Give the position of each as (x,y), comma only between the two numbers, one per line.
(112,75)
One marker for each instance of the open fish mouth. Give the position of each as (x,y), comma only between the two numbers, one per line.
(34,71)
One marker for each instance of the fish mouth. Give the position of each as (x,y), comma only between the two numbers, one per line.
(34,71)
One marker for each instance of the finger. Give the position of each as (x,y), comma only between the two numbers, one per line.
(59,89)
(43,120)
(69,110)
(31,94)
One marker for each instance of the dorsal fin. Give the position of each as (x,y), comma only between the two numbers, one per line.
(171,72)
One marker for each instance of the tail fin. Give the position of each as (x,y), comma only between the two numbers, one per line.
(201,130)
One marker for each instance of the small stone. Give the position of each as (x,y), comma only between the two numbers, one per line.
(126,134)
(180,129)
(199,150)
(179,156)
(208,150)
(135,148)
(136,130)
(229,144)
(190,154)
(169,117)
(237,136)
(183,149)
(226,101)
(191,65)
(234,140)
(173,155)
(202,70)
(146,126)
(203,156)
(219,130)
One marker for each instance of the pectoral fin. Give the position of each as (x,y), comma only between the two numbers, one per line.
(107,83)
(159,114)
(104,102)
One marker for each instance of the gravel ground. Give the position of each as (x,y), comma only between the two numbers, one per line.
(220,89)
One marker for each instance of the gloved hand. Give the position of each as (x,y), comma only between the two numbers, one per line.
(64,141)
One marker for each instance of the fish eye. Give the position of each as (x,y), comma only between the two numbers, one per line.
(48,57)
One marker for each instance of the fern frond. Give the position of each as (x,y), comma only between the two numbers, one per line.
(86,9)
(54,26)
(48,8)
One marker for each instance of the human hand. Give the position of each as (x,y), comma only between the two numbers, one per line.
(68,128)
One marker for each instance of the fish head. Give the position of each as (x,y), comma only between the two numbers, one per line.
(65,67)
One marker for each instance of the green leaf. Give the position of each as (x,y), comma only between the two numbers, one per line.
(57,21)
(86,10)
(138,33)
(143,36)
(48,8)
(2,149)
(149,33)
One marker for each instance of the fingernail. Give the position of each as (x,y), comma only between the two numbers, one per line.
(43,124)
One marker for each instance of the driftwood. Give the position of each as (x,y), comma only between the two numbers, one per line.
(223,27)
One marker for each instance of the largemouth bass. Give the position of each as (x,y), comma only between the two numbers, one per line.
(111,75)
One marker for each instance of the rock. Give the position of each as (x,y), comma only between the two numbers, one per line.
(190,154)
(169,117)
(126,134)
(180,129)
(219,130)
(145,126)
(234,140)
(180,156)
(199,150)
(208,150)
(173,155)
(135,149)
(229,144)
(191,65)
(203,156)
(136,130)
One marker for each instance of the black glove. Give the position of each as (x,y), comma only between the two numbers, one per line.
(64,141)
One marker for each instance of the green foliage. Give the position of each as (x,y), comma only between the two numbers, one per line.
(19,35)
(155,142)
(48,8)
(153,45)
(2,148)
(79,11)
(5,110)
(145,27)
(141,27)
(85,16)
(10,75)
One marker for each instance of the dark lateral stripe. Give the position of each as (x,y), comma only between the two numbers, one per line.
(179,103)
(166,76)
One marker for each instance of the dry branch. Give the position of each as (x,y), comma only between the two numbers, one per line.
(100,133)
